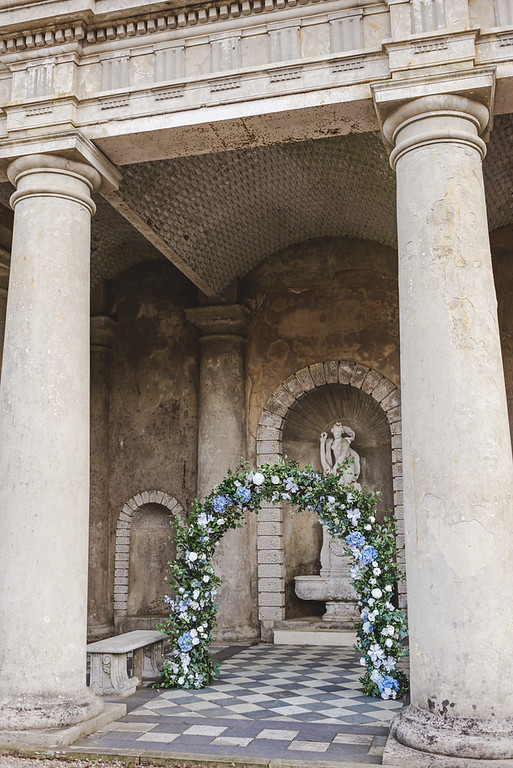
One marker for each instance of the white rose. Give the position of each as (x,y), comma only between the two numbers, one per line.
(258,478)
(389,642)
(275,480)
(193,632)
(192,556)
(377,593)
(388,588)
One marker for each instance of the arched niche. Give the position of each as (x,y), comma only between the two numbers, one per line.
(144,545)
(316,412)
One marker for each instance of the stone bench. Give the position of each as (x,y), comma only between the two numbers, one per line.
(109,674)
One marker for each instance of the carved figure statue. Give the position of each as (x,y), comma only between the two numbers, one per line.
(336,450)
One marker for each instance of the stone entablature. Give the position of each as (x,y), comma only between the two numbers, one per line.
(143,72)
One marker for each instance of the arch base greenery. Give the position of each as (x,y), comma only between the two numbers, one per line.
(349,515)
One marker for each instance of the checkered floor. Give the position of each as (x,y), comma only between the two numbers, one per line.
(269,701)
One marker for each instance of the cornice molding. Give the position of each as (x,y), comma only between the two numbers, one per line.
(91,34)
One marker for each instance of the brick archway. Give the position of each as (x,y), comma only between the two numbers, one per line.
(271,569)
(122,548)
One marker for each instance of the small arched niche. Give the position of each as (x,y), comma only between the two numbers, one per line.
(150,550)
(315,413)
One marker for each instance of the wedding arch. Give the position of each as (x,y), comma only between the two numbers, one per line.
(349,514)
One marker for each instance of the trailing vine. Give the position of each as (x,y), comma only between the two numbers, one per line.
(349,514)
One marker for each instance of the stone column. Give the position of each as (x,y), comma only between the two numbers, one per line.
(458,468)
(44,448)
(222,444)
(100,611)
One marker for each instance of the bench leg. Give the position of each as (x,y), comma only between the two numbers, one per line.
(152,661)
(109,675)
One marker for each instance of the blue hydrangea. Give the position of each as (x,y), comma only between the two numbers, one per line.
(388,682)
(368,554)
(185,641)
(243,493)
(355,539)
(220,503)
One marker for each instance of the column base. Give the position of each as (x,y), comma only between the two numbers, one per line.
(419,738)
(398,755)
(27,712)
(60,737)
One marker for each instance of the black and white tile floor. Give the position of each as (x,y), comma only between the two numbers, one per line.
(269,701)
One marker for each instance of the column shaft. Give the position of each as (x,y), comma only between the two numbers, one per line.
(458,468)
(222,444)
(44,448)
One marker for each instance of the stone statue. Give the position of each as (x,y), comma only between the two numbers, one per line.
(336,450)
(333,585)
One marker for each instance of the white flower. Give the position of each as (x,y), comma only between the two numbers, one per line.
(191,556)
(376,653)
(181,680)
(377,571)
(194,605)
(389,663)
(363,662)
(389,642)
(220,521)
(377,593)
(372,519)
(195,640)
(202,519)
(372,581)
(388,588)
(193,632)
(368,527)
(275,480)
(206,578)
(375,676)
(371,601)
(195,594)
(258,478)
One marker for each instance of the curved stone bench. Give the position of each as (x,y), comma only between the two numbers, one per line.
(109,675)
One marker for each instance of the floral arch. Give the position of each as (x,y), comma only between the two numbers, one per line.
(348,513)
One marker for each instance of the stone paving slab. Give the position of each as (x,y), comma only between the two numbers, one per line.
(270,703)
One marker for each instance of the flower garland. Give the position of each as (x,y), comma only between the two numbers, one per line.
(348,513)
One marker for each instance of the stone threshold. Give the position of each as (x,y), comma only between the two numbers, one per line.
(313,632)
(133,757)
(56,737)
(398,755)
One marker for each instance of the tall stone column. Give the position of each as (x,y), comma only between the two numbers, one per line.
(44,448)
(458,468)
(100,612)
(222,444)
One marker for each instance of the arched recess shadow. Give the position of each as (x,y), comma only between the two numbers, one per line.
(150,501)
(271,557)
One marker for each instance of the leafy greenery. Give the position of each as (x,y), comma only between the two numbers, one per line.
(348,513)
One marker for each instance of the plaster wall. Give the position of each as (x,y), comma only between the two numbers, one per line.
(153,404)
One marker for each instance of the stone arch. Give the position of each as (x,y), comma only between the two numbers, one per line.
(271,570)
(122,546)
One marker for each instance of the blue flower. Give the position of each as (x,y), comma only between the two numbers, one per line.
(388,682)
(220,503)
(355,539)
(185,641)
(368,554)
(243,493)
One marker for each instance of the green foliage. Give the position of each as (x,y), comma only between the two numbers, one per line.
(348,513)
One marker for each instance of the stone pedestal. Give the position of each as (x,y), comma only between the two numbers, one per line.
(222,444)
(100,600)
(458,469)
(44,449)
(333,585)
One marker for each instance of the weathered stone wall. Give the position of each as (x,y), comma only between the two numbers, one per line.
(153,399)
(330,300)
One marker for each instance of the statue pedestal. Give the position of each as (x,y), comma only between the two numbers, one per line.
(333,585)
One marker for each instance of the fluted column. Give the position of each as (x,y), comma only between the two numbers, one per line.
(100,611)
(44,448)
(222,444)
(458,468)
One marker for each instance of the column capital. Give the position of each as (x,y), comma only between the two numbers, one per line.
(70,146)
(459,107)
(220,320)
(102,331)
